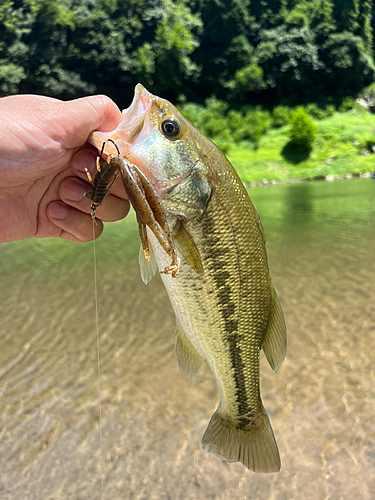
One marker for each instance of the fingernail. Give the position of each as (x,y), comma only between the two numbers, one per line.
(58,211)
(84,159)
(75,192)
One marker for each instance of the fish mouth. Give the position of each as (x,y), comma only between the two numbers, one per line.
(130,127)
(135,114)
(140,104)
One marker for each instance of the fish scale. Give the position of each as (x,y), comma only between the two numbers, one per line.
(233,272)
(232,305)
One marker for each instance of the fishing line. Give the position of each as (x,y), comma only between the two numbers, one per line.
(98,356)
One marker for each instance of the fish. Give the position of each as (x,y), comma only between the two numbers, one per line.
(225,305)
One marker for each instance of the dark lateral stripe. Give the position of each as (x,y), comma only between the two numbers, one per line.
(227,308)
(243,406)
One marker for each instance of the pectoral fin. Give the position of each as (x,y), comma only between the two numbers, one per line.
(188,359)
(274,343)
(185,244)
(147,267)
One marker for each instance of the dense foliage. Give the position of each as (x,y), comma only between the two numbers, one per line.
(243,51)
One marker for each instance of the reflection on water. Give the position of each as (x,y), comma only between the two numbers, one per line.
(321,241)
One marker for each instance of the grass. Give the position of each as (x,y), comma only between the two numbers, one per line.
(338,150)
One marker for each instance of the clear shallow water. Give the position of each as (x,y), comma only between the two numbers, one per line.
(321,242)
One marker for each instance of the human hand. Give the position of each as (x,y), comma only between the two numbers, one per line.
(43,155)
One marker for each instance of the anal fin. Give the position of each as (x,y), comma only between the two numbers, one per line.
(147,267)
(188,359)
(274,343)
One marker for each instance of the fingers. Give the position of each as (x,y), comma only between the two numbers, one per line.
(72,190)
(74,224)
(82,116)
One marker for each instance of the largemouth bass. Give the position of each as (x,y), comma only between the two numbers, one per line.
(225,305)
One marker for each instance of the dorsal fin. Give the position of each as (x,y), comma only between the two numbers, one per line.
(274,343)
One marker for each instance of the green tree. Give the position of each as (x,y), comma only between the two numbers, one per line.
(243,51)
(289,57)
(164,62)
(225,42)
(12,49)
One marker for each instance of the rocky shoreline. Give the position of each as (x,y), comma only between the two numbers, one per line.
(329,178)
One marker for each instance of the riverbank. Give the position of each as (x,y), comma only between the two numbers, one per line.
(329,178)
(344,148)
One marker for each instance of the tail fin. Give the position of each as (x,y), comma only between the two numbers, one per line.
(254,446)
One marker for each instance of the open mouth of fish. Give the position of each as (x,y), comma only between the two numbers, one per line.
(131,129)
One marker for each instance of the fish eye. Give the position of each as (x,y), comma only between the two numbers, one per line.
(170,128)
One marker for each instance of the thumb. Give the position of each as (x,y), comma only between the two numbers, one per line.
(83,116)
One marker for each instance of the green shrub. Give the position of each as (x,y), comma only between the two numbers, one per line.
(347,104)
(370,89)
(223,144)
(256,122)
(249,126)
(235,119)
(330,110)
(215,106)
(213,126)
(367,143)
(192,112)
(303,129)
(313,110)
(225,128)
(318,112)
(281,116)
(368,95)
(209,119)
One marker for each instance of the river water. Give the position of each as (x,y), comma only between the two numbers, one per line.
(321,246)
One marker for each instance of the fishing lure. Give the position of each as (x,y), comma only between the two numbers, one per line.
(143,198)
(106,176)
